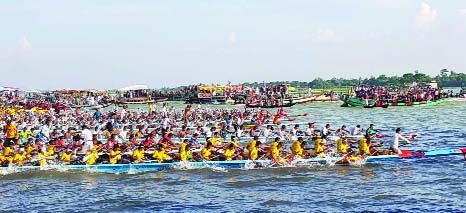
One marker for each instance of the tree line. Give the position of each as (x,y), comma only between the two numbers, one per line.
(446,78)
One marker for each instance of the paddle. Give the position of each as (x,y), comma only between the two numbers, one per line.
(411,136)
(87,157)
(39,159)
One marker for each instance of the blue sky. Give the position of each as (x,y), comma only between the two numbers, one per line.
(112,44)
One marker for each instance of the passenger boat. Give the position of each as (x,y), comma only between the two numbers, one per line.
(358,102)
(152,166)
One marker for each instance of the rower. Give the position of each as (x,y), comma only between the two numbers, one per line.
(252,143)
(274,145)
(160,155)
(319,145)
(42,158)
(282,131)
(294,132)
(115,155)
(310,129)
(184,151)
(66,156)
(396,140)
(138,154)
(370,132)
(210,133)
(216,140)
(342,146)
(239,131)
(149,141)
(93,158)
(20,157)
(206,152)
(276,119)
(254,152)
(267,132)
(342,132)
(193,141)
(325,133)
(276,154)
(356,130)
(364,146)
(239,149)
(297,147)
(229,152)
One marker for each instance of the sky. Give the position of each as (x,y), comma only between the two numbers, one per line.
(109,44)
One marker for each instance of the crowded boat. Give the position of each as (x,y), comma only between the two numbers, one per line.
(116,135)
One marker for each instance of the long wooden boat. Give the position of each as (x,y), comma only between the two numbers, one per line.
(149,166)
(268,106)
(358,102)
(140,101)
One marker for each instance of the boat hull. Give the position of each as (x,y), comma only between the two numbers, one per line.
(236,164)
(357,102)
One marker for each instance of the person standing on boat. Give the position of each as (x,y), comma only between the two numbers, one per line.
(396,141)
(87,138)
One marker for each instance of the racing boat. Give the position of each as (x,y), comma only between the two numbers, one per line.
(153,166)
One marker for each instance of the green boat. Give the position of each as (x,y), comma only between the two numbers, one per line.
(358,102)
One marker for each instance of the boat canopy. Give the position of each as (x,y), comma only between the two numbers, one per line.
(134,87)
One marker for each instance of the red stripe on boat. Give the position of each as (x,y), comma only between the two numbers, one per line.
(405,154)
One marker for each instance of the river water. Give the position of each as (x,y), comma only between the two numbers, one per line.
(414,185)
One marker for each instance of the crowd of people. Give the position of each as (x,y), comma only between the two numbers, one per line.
(415,93)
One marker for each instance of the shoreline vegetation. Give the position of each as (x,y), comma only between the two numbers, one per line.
(446,78)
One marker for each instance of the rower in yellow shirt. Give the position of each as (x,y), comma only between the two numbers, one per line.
(42,156)
(184,151)
(29,149)
(206,152)
(252,143)
(319,145)
(216,140)
(297,147)
(8,158)
(8,150)
(364,147)
(115,155)
(138,154)
(274,144)
(233,141)
(160,155)
(342,146)
(229,152)
(50,150)
(254,153)
(276,154)
(93,158)
(66,157)
(20,157)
